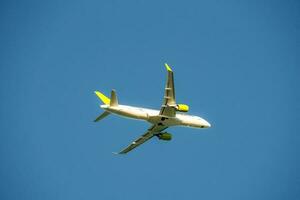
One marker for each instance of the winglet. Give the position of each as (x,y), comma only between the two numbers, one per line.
(103,98)
(168,67)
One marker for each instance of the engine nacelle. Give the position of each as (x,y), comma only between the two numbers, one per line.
(182,107)
(165,136)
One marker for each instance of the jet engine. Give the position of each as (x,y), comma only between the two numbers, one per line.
(165,136)
(182,107)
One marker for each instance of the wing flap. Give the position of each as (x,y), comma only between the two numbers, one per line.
(145,137)
(169,102)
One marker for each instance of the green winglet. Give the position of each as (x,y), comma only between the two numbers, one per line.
(168,67)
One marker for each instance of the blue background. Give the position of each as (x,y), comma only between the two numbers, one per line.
(236,64)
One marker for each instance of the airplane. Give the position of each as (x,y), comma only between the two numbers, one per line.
(170,114)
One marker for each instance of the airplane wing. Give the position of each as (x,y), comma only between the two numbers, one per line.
(169,102)
(148,135)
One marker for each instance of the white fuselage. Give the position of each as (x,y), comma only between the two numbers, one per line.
(153,116)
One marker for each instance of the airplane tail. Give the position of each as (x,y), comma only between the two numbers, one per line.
(114,98)
(103,115)
(113,101)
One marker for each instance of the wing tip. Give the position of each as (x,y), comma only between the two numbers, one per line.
(120,153)
(168,67)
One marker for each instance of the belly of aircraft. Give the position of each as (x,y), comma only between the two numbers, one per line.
(131,112)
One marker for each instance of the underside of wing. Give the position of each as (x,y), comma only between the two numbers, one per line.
(169,102)
(152,131)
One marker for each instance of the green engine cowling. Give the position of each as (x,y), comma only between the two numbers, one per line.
(182,107)
(165,136)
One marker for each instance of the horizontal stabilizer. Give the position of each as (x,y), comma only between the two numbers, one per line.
(103,98)
(103,115)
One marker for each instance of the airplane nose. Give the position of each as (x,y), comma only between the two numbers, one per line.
(207,124)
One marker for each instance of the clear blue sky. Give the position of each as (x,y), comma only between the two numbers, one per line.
(236,64)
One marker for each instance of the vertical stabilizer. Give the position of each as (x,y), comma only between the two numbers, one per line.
(114,99)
